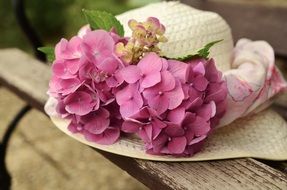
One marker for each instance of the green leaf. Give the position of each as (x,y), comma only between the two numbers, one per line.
(49,51)
(201,53)
(186,58)
(103,20)
(204,52)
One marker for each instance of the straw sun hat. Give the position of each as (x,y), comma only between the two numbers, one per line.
(252,81)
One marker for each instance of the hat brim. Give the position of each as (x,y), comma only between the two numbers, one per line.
(263,135)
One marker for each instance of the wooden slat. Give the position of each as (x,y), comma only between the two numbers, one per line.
(25,76)
(29,79)
(257,21)
(227,174)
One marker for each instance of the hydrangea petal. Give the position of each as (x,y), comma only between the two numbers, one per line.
(212,74)
(143,135)
(69,85)
(150,80)
(197,140)
(189,135)
(98,121)
(98,45)
(178,69)
(176,115)
(130,108)
(79,103)
(159,143)
(143,113)
(156,129)
(200,83)
(216,92)
(54,85)
(158,123)
(72,127)
(131,73)
(130,127)
(108,65)
(175,97)
(130,100)
(68,49)
(150,63)
(206,111)
(149,131)
(60,46)
(193,105)
(110,136)
(159,103)
(115,80)
(177,145)
(188,119)
(74,65)
(60,70)
(125,94)
(167,81)
(200,126)
(173,130)
(199,68)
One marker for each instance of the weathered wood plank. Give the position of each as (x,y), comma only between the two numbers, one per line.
(281,166)
(225,174)
(256,21)
(25,76)
(29,79)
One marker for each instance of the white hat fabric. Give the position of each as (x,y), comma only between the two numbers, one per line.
(187,29)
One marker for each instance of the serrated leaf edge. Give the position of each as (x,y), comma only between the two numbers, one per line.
(197,54)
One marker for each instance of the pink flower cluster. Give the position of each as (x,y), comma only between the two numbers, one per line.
(84,75)
(171,105)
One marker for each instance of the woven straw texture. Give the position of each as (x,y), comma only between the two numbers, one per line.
(187,30)
(259,136)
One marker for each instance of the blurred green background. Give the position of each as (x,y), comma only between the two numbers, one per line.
(54,19)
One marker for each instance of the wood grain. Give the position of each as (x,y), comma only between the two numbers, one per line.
(257,20)
(225,174)
(25,76)
(29,79)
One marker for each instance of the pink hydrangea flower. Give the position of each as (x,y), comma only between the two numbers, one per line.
(97,122)
(84,76)
(62,87)
(146,123)
(147,71)
(101,126)
(130,100)
(108,137)
(63,69)
(69,50)
(97,46)
(70,54)
(179,111)
(80,103)
(168,94)
(171,141)
(171,105)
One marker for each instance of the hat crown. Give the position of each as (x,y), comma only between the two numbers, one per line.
(187,29)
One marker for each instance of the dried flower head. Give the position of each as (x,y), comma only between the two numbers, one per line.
(145,38)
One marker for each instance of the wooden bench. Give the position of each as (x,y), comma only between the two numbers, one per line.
(28,78)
